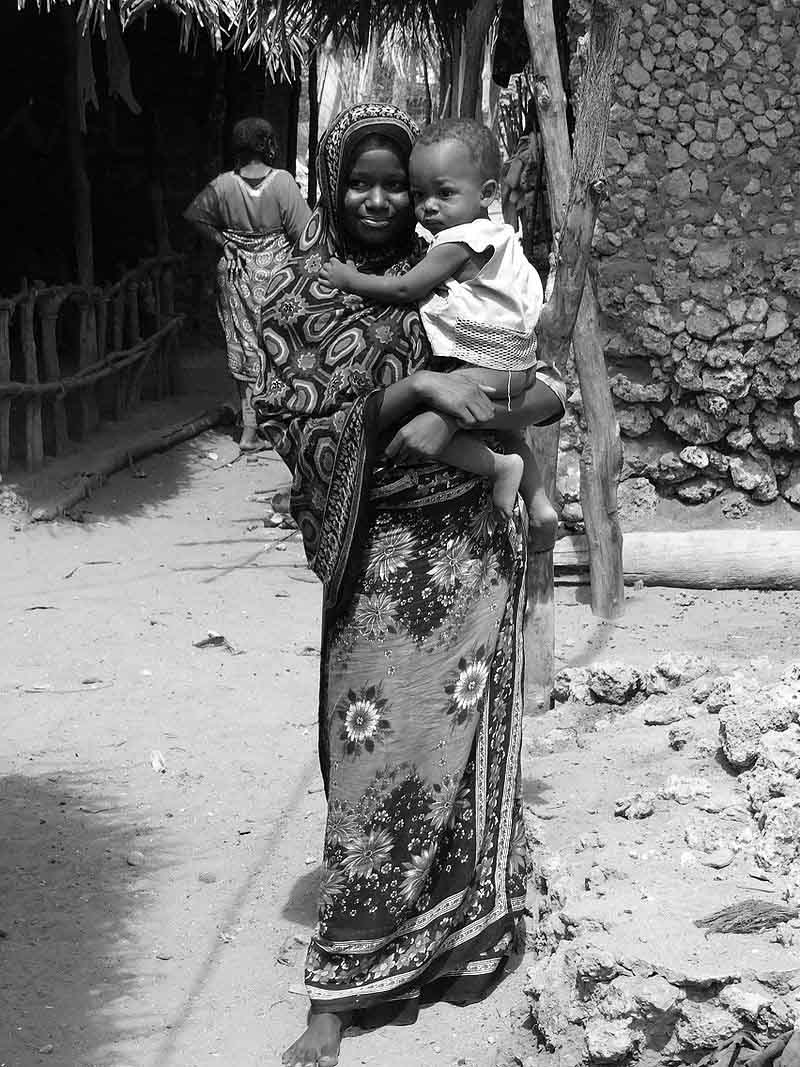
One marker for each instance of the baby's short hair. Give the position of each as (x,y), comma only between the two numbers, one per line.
(479,140)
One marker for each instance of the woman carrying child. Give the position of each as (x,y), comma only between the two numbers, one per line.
(421,695)
(479,297)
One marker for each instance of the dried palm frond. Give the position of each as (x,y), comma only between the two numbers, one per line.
(747,917)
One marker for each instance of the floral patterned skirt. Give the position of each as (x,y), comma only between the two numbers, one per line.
(240,296)
(425,866)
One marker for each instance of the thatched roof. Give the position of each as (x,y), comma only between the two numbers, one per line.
(281,31)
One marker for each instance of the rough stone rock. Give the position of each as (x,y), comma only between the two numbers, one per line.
(680,736)
(711,261)
(702,689)
(661,710)
(636,499)
(609,1040)
(671,469)
(746,999)
(684,789)
(740,439)
(704,1025)
(706,323)
(635,420)
(614,683)
(731,382)
(778,844)
(700,490)
(777,322)
(740,735)
(639,392)
(753,477)
(693,425)
(637,806)
(697,457)
(777,430)
(790,486)
(572,684)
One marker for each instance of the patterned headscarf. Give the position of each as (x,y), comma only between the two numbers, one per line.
(328,355)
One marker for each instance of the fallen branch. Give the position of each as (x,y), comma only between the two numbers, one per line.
(697,559)
(159,442)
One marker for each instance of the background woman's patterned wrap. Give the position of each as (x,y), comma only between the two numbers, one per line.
(424,864)
(329,355)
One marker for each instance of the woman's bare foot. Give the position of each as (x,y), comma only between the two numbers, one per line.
(544,521)
(506,481)
(319,1045)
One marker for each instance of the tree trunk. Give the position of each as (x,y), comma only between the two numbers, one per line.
(473,41)
(313,124)
(574,190)
(83,238)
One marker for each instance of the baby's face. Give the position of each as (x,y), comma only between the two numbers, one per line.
(447,187)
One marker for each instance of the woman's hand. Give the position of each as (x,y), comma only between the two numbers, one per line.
(234,256)
(338,275)
(465,401)
(424,437)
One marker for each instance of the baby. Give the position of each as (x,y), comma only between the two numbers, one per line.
(480,298)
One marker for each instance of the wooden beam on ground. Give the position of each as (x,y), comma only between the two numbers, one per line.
(696,559)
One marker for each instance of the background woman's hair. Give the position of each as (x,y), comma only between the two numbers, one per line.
(253,138)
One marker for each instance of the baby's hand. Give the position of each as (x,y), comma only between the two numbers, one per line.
(338,275)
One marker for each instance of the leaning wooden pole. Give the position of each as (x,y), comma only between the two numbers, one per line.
(551,108)
(575,189)
(571,315)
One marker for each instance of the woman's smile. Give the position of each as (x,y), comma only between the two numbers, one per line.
(376,207)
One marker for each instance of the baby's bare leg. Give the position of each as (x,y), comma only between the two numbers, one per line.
(544,520)
(469,453)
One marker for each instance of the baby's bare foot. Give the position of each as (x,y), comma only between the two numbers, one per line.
(507,477)
(544,521)
(319,1045)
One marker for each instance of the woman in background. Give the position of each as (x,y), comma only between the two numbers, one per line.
(253,214)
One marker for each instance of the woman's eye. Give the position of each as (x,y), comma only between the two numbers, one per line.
(357,186)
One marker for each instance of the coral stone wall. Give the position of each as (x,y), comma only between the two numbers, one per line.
(698,249)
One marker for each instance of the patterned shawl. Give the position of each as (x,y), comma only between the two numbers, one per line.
(327,356)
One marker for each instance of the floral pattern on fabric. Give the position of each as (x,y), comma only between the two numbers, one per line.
(424,867)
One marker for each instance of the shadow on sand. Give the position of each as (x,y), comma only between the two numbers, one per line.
(68,899)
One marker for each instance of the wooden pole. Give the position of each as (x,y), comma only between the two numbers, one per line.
(76,151)
(34,444)
(573,198)
(573,306)
(696,559)
(479,19)
(5,376)
(551,109)
(49,307)
(313,124)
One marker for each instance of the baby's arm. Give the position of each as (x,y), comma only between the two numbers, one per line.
(438,265)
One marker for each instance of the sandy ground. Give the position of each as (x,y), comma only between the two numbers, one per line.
(156,918)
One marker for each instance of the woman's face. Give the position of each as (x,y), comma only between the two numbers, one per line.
(376,209)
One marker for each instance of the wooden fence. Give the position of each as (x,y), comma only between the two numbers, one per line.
(70,355)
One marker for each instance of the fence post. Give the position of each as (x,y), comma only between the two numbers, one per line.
(5,377)
(49,306)
(87,355)
(34,445)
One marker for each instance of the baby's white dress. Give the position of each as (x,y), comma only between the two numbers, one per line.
(490,320)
